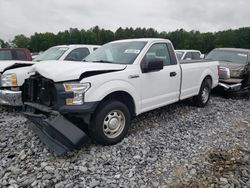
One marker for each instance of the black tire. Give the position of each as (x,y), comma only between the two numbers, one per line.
(103,113)
(199,100)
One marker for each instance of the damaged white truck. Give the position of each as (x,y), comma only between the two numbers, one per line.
(72,102)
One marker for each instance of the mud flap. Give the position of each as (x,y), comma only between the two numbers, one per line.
(59,134)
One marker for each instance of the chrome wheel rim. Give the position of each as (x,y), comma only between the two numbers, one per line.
(205,95)
(114,123)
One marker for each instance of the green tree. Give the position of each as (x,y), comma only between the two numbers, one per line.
(181,38)
(1,43)
(225,38)
(21,41)
(63,37)
(120,34)
(4,44)
(74,36)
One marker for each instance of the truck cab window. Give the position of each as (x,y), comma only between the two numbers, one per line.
(188,56)
(78,54)
(158,52)
(20,55)
(196,55)
(5,55)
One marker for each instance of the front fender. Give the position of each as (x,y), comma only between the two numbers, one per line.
(99,92)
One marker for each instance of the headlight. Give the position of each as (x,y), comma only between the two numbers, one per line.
(9,80)
(78,90)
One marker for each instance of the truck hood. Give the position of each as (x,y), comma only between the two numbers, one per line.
(11,64)
(235,68)
(59,71)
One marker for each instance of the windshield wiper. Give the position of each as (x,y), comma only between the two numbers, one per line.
(102,61)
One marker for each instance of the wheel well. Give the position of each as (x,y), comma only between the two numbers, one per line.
(208,77)
(123,97)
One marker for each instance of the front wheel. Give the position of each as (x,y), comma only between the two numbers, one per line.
(203,97)
(110,123)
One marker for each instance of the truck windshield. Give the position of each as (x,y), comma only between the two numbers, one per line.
(117,52)
(53,53)
(228,56)
(179,54)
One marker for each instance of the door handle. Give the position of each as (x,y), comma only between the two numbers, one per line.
(172,74)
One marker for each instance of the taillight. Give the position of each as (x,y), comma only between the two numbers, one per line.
(218,69)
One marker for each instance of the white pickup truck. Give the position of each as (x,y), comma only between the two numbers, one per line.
(14,73)
(73,52)
(70,102)
(188,55)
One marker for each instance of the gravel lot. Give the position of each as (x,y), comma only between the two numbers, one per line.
(175,146)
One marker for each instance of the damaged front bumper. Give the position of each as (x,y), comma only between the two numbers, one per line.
(58,133)
(11,98)
(233,90)
(230,87)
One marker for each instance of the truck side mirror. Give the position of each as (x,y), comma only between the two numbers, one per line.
(152,65)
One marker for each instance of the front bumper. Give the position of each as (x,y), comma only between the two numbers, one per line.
(233,90)
(230,87)
(11,98)
(58,133)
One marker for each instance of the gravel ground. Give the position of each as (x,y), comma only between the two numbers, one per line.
(175,146)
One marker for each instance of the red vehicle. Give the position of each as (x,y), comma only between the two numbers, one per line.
(22,54)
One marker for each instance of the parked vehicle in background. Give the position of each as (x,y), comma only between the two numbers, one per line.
(234,70)
(35,54)
(122,79)
(13,77)
(62,52)
(188,54)
(67,52)
(22,54)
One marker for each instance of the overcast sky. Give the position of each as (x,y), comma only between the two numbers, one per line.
(29,16)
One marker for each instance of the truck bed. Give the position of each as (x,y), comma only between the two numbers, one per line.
(194,61)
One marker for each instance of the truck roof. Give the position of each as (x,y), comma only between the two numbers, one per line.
(77,45)
(13,49)
(187,50)
(142,39)
(234,49)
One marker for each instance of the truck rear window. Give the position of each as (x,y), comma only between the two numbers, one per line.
(5,55)
(20,55)
(196,55)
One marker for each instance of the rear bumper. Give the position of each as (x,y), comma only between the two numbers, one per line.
(58,133)
(11,98)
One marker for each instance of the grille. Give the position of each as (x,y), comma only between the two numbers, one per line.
(39,90)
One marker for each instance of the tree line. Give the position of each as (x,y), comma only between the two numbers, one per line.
(181,39)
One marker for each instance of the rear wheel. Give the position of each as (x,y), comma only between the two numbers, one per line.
(203,97)
(110,123)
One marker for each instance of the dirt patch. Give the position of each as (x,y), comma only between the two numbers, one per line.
(224,168)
